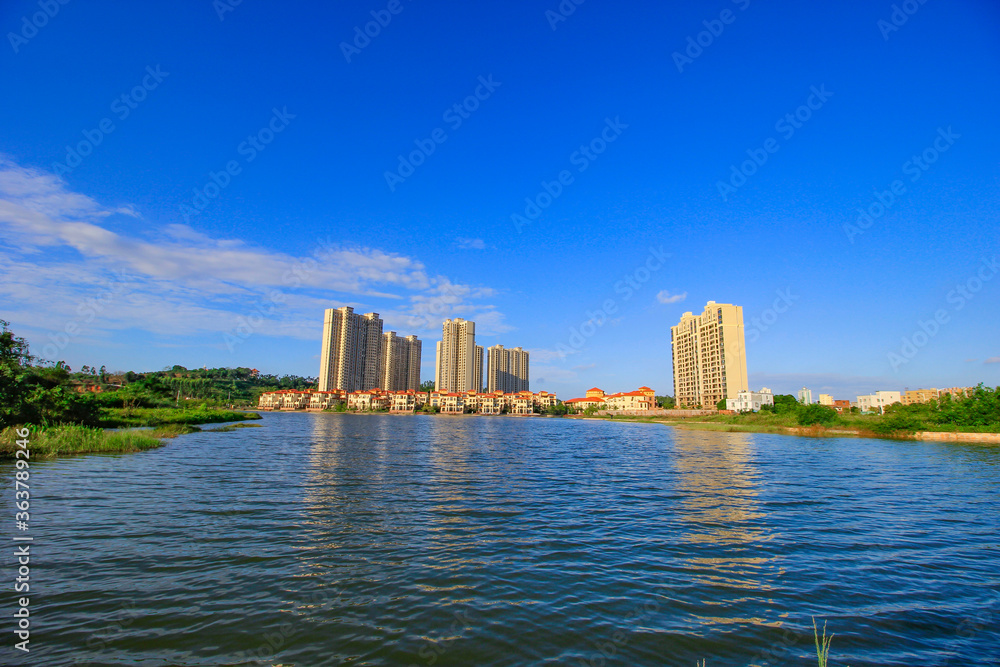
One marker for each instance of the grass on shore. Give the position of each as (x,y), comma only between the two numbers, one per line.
(71,439)
(67,439)
(119,417)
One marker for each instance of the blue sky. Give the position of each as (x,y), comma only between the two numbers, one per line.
(106,259)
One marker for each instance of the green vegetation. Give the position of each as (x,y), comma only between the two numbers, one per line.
(977,413)
(666,402)
(70,439)
(67,411)
(822,644)
(427,385)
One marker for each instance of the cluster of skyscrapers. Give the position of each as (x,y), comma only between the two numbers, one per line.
(358,356)
(459,362)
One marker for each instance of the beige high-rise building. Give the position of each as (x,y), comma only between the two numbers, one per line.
(477,381)
(397,362)
(349,359)
(413,363)
(709,354)
(507,370)
(455,364)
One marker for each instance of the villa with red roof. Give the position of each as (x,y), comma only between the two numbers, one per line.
(642,398)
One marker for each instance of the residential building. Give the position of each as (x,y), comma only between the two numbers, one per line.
(413,363)
(750,401)
(544,400)
(285,399)
(406,401)
(842,406)
(368,400)
(805,396)
(398,359)
(956,392)
(913,396)
(349,359)
(326,400)
(878,401)
(455,362)
(709,355)
(477,382)
(448,402)
(581,404)
(507,370)
(641,399)
(826,399)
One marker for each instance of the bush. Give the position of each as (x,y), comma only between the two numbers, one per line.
(808,415)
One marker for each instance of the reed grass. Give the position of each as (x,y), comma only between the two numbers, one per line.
(71,439)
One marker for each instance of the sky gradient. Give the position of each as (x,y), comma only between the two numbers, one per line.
(194,183)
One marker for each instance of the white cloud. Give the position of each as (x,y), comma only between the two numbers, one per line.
(542,355)
(666,297)
(185,282)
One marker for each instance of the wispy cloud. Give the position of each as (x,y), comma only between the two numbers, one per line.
(541,355)
(665,296)
(471,244)
(62,248)
(992,360)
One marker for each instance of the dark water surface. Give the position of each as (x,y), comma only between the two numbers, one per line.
(327,539)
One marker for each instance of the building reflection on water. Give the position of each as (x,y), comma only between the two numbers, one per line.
(723,525)
(412,480)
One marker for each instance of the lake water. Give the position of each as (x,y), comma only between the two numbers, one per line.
(327,539)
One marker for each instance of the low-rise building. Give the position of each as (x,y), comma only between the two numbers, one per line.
(750,401)
(544,400)
(522,403)
(642,398)
(841,406)
(405,401)
(826,399)
(878,401)
(956,392)
(581,404)
(326,400)
(364,401)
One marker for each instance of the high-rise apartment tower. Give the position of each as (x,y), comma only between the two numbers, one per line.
(507,370)
(456,358)
(709,354)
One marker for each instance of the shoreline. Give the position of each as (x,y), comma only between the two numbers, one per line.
(823,432)
(691,424)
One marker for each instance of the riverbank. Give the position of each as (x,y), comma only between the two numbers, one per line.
(816,431)
(71,439)
(153,417)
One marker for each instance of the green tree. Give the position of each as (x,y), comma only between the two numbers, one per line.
(815,413)
(785,404)
(666,402)
(721,405)
(427,385)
